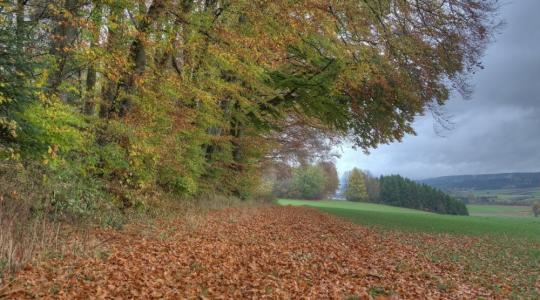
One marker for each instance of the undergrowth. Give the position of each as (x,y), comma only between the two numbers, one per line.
(46,213)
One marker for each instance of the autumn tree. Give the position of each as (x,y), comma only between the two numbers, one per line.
(356,187)
(197,97)
(373,188)
(331,182)
(308,181)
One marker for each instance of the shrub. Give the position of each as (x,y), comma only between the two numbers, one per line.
(536,208)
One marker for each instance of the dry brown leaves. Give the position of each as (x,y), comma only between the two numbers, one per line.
(268,252)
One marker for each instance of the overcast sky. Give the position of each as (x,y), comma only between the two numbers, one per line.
(497,130)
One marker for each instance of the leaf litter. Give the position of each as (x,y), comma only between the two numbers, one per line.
(268,252)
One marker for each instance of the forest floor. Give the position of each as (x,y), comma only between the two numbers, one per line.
(259,252)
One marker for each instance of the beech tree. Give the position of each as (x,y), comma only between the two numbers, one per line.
(195,96)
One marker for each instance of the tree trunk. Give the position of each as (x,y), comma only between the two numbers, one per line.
(64,37)
(91,73)
(139,57)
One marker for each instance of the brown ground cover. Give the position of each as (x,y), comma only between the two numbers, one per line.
(266,252)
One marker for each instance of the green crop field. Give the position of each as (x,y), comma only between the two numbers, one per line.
(484,220)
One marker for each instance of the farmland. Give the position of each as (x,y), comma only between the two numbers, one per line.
(503,196)
(483,219)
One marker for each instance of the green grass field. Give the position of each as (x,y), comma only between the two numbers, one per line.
(488,220)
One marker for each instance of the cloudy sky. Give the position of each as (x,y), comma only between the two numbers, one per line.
(497,130)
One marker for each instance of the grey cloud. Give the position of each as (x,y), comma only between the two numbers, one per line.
(498,130)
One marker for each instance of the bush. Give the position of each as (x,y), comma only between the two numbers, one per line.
(536,208)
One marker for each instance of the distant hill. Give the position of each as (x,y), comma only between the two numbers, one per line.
(486,181)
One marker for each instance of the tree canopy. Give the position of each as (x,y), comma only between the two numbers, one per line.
(183,94)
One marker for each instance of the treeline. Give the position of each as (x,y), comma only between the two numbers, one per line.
(118,103)
(396,190)
(403,192)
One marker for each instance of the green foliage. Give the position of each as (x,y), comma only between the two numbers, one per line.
(18,85)
(309,182)
(356,187)
(57,125)
(171,180)
(399,191)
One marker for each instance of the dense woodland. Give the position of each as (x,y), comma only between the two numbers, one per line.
(116,104)
(403,192)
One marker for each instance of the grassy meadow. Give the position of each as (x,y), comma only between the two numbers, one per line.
(488,220)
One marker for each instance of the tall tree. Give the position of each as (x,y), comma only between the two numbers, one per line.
(356,187)
(309,182)
(372,187)
(331,182)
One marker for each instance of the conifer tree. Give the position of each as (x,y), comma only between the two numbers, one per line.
(403,192)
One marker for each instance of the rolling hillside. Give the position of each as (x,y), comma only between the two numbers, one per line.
(485,181)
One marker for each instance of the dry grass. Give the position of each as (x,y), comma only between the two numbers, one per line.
(22,235)
(26,238)
(29,235)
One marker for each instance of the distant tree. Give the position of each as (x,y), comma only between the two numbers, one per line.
(343,181)
(372,187)
(281,176)
(398,191)
(331,183)
(356,187)
(536,208)
(308,182)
